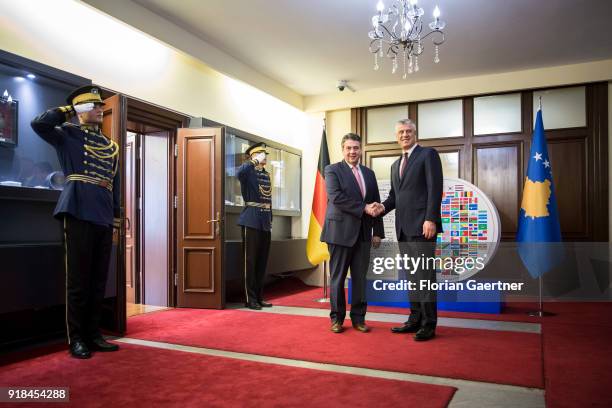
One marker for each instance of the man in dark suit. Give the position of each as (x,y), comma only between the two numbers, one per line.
(415,195)
(351,192)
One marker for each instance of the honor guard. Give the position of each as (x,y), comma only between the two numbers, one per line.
(89,208)
(256,222)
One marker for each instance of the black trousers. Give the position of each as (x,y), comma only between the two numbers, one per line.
(88,248)
(256,248)
(357,258)
(423,303)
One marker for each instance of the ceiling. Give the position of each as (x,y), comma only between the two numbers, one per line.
(309,45)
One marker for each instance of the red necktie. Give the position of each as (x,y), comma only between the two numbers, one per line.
(359,182)
(403,166)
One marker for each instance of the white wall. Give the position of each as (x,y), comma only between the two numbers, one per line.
(338,124)
(474,85)
(74,37)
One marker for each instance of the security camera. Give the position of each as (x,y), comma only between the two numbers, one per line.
(343,84)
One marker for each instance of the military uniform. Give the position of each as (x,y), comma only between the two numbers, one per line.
(256,222)
(88,205)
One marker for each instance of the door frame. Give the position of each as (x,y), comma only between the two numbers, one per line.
(149,115)
(139,111)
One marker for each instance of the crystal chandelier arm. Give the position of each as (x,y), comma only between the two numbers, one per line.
(389,33)
(441,33)
(372,50)
(392,51)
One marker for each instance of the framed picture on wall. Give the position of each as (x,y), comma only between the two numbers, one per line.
(8,122)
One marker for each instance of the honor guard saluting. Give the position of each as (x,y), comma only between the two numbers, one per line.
(89,208)
(256,222)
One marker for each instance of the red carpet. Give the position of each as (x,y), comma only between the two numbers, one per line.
(479,355)
(139,376)
(578,364)
(293,292)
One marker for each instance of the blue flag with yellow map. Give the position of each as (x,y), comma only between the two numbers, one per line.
(538,226)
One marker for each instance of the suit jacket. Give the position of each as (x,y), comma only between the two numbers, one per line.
(345,221)
(417,196)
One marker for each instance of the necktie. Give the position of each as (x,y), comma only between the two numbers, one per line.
(403,166)
(359,182)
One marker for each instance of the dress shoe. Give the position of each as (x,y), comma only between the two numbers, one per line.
(406,328)
(361,327)
(424,334)
(254,306)
(263,303)
(99,344)
(78,349)
(336,327)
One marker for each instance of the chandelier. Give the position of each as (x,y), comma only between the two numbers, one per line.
(399,30)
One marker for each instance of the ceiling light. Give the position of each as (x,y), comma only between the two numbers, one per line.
(31,76)
(397,34)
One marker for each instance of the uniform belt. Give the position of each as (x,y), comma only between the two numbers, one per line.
(91,180)
(258,205)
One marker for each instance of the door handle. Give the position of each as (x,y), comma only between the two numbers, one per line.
(217,222)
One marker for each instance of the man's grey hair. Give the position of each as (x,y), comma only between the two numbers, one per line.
(350,136)
(408,122)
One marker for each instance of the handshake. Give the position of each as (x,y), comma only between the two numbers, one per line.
(374,209)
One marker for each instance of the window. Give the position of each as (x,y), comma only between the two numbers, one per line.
(381,123)
(497,114)
(450,164)
(440,119)
(561,108)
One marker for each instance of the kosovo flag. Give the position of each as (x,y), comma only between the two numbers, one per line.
(539,227)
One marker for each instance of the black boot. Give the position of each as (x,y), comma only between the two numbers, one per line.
(99,344)
(78,349)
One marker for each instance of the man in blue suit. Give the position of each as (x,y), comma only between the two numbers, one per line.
(416,195)
(348,227)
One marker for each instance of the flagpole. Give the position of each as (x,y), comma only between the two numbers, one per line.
(540,312)
(325,298)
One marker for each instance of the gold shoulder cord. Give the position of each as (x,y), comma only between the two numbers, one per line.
(265,191)
(99,152)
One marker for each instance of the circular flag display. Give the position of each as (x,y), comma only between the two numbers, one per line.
(471,231)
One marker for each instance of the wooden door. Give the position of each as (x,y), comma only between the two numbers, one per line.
(113,313)
(131,204)
(199,225)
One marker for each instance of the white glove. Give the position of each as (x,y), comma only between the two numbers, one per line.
(260,157)
(84,107)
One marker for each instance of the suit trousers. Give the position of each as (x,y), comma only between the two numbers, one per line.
(88,248)
(357,258)
(256,248)
(423,303)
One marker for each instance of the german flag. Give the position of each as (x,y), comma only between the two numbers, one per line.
(316,251)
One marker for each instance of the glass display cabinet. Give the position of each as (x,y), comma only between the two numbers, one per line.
(283,165)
